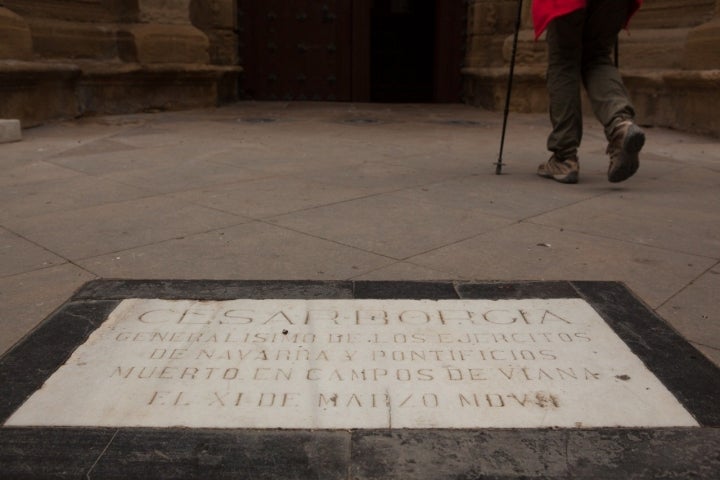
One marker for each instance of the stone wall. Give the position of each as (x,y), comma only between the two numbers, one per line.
(668,57)
(77,57)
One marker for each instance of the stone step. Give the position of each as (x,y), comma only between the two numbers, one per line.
(31,89)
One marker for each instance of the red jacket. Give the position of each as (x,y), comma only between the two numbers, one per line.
(543,11)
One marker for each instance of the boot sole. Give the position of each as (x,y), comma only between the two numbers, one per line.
(571,177)
(629,161)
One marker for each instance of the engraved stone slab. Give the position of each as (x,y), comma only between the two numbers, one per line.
(345,364)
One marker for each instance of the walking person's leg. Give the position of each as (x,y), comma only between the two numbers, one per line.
(608,96)
(564,40)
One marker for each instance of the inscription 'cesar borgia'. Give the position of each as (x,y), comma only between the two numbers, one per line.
(355,364)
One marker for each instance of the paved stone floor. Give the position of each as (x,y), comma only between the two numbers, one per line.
(350,191)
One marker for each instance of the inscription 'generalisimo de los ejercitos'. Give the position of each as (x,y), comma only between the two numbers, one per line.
(353,364)
(256,349)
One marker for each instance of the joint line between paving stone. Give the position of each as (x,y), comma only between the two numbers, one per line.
(97,460)
(461,240)
(159,242)
(572,204)
(347,200)
(313,207)
(67,260)
(690,283)
(398,262)
(606,237)
(330,240)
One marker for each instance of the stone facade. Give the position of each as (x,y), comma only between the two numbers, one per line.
(669,59)
(76,57)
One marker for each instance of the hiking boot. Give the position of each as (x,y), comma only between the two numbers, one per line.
(625,144)
(563,171)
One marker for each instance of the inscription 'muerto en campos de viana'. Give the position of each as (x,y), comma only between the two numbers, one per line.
(353,364)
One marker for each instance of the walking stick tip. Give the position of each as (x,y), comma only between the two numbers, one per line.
(498,167)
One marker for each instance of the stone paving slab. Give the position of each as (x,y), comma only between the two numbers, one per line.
(39,452)
(249,250)
(437,155)
(119,226)
(673,192)
(527,249)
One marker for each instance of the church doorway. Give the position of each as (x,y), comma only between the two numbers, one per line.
(352,50)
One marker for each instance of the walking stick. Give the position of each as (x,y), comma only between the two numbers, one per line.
(499,164)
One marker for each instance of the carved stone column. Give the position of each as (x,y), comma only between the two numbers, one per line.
(77,57)
(218,20)
(70,29)
(163,35)
(31,91)
(489,22)
(702,50)
(15,37)
(490,28)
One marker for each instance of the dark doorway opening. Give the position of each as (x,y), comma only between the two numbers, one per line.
(352,50)
(402,50)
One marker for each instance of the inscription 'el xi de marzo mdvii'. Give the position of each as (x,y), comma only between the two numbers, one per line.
(353,364)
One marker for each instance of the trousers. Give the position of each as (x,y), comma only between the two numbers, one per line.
(580,47)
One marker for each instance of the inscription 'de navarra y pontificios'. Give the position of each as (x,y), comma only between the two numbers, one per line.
(353,364)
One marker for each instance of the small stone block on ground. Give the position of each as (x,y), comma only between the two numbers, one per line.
(10,131)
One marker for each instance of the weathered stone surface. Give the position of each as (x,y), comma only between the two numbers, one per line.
(487,87)
(672,14)
(10,131)
(35,92)
(75,10)
(154,43)
(126,88)
(665,35)
(528,52)
(223,47)
(218,14)
(334,341)
(15,38)
(701,50)
(164,11)
(218,19)
(693,97)
(489,23)
(646,48)
(66,39)
(653,48)
(492,17)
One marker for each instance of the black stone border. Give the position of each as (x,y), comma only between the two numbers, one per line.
(362,454)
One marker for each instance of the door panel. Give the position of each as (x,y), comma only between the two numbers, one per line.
(296,50)
(352,50)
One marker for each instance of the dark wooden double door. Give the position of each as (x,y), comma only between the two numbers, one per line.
(352,50)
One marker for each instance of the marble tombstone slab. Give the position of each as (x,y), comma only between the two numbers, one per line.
(353,364)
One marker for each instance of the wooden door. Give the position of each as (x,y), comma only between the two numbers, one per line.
(296,50)
(352,50)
